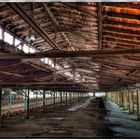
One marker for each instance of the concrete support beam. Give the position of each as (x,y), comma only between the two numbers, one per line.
(131,102)
(44,100)
(108,95)
(125,100)
(120,99)
(138,104)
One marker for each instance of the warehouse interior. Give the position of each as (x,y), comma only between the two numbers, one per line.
(69,70)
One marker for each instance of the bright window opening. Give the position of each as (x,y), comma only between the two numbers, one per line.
(43,60)
(17,42)
(49,62)
(32,50)
(52,64)
(26,48)
(8,38)
(46,60)
(0,33)
(20,47)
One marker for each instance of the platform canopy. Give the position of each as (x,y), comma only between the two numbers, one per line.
(85,46)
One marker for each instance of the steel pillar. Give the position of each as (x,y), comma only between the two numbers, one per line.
(66,98)
(10,100)
(51,97)
(54,100)
(70,97)
(61,99)
(36,100)
(0,106)
(44,100)
(28,103)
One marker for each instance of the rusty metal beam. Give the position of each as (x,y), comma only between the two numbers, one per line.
(99,25)
(43,83)
(60,53)
(18,9)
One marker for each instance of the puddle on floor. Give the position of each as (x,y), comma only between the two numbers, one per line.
(74,108)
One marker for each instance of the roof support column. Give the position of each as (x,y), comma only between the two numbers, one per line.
(51,98)
(61,99)
(28,104)
(54,99)
(120,99)
(44,100)
(138,104)
(70,97)
(36,99)
(66,98)
(125,100)
(0,106)
(73,96)
(10,100)
(107,95)
(131,102)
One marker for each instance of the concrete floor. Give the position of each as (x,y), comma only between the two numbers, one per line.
(122,123)
(81,120)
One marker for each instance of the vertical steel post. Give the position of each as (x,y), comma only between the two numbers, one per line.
(36,99)
(66,98)
(70,97)
(0,106)
(54,100)
(51,98)
(61,99)
(28,103)
(10,100)
(44,100)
